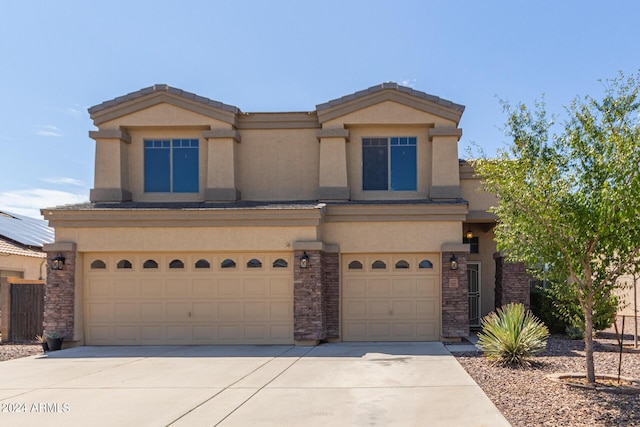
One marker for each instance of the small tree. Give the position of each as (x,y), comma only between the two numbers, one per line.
(572,202)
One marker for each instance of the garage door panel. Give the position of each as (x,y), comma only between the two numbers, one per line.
(151,288)
(206,305)
(379,287)
(399,303)
(379,308)
(255,287)
(404,287)
(203,288)
(98,288)
(428,286)
(177,288)
(228,311)
(355,287)
(403,308)
(126,311)
(280,310)
(100,311)
(256,309)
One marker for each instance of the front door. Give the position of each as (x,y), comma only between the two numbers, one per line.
(474,279)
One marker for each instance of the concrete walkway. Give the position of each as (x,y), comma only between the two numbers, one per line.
(344,384)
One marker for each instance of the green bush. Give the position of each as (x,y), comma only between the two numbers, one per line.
(512,336)
(542,307)
(566,307)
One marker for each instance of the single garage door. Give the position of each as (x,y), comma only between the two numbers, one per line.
(391,297)
(152,299)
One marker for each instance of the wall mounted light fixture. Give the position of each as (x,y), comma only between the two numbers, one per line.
(304,261)
(57,262)
(453,262)
(469,234)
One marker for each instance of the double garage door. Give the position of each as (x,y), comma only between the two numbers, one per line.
(389,297)
(158,298)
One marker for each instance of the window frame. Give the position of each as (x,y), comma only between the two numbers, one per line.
(164,172)
(400,175)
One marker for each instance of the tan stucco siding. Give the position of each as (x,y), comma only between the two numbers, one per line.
(32,268)
(413,236)
(478,198)
(177,239)
(162,115)
(389,112)
(354,160)
(278,164)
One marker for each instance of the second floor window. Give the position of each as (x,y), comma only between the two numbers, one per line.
(171,166)
(389,164)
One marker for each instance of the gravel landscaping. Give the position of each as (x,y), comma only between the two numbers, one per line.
(527,398)
(15,351)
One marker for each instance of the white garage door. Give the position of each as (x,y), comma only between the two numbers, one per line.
(138,299)
(391,297)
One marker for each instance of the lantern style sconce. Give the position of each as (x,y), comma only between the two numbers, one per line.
(57,262)
(304,261)
(469,234)
(453,262)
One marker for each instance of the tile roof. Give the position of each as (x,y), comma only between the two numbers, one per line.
(393,86)
(9,247)
(157,88)
(25,230)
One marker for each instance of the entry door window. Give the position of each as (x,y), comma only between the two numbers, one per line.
(474,279)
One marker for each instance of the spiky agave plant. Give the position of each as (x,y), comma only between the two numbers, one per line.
(512,336)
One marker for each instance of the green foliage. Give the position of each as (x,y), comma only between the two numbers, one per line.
(567,308)
(570,201)
(542,307)
(512,336)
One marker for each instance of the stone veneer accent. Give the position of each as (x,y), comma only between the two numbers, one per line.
(332,293)
(309,318)
(59,295)
(512,282)
(455,297)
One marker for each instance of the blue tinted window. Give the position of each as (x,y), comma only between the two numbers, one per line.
(389,164)
(171,166)
(403,164)
(375,164)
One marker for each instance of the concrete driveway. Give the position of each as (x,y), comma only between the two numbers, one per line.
(385,384)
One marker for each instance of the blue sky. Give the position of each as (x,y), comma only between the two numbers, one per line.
(59,58)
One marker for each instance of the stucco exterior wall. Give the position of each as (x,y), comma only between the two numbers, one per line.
(176,239)
(31,267)
(416,236)
(278,164)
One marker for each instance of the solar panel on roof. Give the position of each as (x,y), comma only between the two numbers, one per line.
(25,230)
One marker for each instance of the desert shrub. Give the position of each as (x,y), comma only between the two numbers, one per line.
(542,307)
(512,336)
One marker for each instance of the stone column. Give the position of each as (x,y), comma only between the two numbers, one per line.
(221,165)
(512,282)
(445,168)
(455,293)
(331,279)
(111,180)
(59,291)
(309,321)
(333,183)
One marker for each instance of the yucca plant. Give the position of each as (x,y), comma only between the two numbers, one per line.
(512,336)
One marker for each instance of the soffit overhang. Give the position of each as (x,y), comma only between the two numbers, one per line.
(159,94)
(389,92)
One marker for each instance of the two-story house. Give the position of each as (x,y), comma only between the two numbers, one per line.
(209,225)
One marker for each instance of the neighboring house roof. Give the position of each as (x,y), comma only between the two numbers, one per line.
(22,235)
